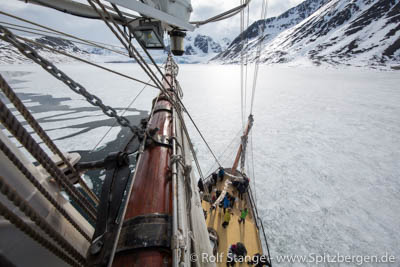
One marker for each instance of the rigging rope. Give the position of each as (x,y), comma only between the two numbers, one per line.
(264,10)
(74,57)
(192,148)
(129,47)
(255,76)
(202,137)
(258,54)
(246,60)
(163,77)
(223,15)
(177,98)
(227,159)
(241,66)
(93,43)
(21,167)
(84,61)
(130,187)
(243,79)
(81,7)
(58,36)
(132,50)
(252,163)
(138,59)
(55,32)
(222,154)
(131,36)
(122,114)
(22,135)
(43,135)
(76,87)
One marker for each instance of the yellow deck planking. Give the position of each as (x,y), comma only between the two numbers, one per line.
(246,233)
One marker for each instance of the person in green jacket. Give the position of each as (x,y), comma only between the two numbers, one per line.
(243,215)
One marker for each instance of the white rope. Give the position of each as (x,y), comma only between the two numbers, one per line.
(223,193)
(234,178)
(221,155)
(225,15)
(122,114)
(241,66)
(252,163)
(245,46)
(246,60)
(258,54)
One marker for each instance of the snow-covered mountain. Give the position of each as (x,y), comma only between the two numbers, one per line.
(350,32)
(199,49)
(225,43)
(201,44)
(10,55)
(274,26)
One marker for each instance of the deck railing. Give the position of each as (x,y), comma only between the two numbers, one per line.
(259,222)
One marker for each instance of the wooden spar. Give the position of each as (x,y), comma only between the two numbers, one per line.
(245,135)
(152,188)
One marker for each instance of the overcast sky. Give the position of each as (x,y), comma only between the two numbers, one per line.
(96,30)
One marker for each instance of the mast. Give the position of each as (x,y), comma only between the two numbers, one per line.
(143,240)
(242,148)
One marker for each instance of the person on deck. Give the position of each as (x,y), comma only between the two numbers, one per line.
(243,215)
(210,186)
(231,256)
(227,218)
(227,203)
(221,173)
(241,189)
(214,178)
(212,208)
(246,183)
(232,200)
(218,193)
(241,252)
(200,185)
(213,198)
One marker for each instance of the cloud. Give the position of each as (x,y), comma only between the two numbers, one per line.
(231,27)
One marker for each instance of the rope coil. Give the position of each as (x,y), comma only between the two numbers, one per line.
(23,206)
(14,159)
(24,227)
(15,127)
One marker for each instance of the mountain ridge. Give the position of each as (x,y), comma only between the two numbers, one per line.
(363,33)
(274,25)
(199,48)
(340,32)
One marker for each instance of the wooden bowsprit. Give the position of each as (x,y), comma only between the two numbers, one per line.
(145,238)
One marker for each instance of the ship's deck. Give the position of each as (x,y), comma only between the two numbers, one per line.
(246,233)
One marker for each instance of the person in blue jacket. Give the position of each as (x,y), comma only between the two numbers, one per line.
(227,203)
(221,173)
